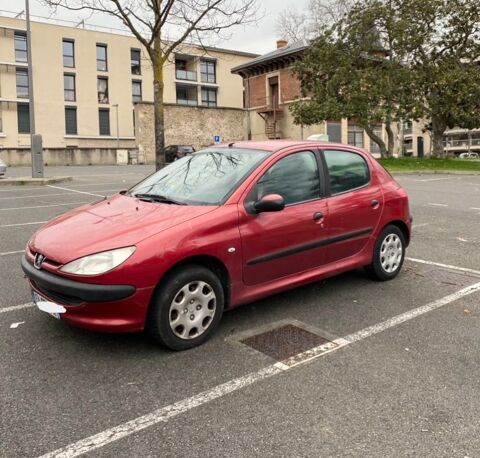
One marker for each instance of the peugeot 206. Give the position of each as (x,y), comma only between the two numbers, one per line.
(223,227)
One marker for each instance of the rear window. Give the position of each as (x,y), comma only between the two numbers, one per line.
(347,171)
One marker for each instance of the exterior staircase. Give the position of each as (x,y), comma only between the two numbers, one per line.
(272,130)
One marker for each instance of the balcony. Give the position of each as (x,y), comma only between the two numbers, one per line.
(186,75)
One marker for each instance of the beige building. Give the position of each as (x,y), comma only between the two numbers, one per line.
(86,84)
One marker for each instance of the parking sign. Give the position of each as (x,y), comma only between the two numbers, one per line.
(217,139)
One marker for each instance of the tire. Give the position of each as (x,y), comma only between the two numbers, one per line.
(186,308)
(388,254)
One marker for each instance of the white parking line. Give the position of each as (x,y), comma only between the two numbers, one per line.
(416,226)
(6,253)
(75,190)
(23,224)
(46,206)
(432,179)
(445,266)
(16,307)
(164,414)
(55,194)
(438,205)
(474,208)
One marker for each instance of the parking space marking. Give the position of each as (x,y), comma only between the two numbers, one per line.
(17,307)
(55,194)
(46,206)
(416,226)
(428,180)
(6,253)
(75,190)
(23,224)
(438,205)
(445,266)
(164,414)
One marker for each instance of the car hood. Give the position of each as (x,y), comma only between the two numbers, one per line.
(112,223)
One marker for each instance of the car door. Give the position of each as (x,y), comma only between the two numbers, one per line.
(355,203)
(282,243)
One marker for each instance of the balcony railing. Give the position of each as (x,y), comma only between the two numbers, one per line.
(191,102)
(461,143)
(185,75)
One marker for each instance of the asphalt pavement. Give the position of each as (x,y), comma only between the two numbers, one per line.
(403,380)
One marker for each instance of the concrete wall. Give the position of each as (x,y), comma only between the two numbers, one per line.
(188,126)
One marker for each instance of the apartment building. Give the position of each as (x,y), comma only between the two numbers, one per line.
(87,84)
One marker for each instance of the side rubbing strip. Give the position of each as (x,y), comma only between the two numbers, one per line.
(309,246)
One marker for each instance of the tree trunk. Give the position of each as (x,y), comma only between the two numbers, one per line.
(438,129)
(376,139)
(158,87)
(391,138)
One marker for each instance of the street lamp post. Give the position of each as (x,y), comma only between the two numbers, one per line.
(35,140)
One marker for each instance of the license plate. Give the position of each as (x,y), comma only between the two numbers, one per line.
(47,306)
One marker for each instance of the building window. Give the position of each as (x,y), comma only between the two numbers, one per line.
(22,83)
(21,47)
(104,121)
(187,95)
(23,116)
(69,87)
(209,97)
(102,90)
(355,136)
(208,71)
(136,91)
(102,58)
(71,120)
(182,72)
(374,148)
(135,62)
(334,131)
(68,53)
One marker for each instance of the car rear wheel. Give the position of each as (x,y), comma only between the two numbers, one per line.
(388,254)
(186,308)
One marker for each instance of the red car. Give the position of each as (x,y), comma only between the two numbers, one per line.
(223,227)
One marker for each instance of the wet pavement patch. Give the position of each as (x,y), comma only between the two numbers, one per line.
(285,341)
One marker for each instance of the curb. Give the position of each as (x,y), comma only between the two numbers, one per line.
(435,172)
(23,181)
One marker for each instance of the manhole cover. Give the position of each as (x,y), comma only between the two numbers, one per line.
(284,342)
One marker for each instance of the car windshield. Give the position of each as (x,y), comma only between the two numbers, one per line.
(204,178)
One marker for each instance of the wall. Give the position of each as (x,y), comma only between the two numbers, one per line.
(188,126)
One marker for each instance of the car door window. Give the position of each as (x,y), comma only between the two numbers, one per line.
(295,177)
(346,170)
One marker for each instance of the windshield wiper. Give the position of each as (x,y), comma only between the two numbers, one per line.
(157,198)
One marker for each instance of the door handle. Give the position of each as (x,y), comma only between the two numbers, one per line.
(318,216)
(375,203)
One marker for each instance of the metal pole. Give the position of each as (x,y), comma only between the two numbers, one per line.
(31,106)
(118,128)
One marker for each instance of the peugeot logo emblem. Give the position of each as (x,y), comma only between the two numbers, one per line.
(39,258)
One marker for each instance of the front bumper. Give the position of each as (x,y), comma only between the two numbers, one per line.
(78,292)
(105,308)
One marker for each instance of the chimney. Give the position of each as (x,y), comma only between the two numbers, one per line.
(282,44)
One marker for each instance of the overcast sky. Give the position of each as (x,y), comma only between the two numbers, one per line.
(257,39)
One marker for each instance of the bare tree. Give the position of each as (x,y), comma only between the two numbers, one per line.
(296,25)
(162,26)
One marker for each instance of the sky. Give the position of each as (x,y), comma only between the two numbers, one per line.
(259,38)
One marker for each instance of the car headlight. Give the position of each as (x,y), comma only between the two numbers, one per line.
(98,263)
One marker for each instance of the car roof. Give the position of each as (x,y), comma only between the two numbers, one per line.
(277,145)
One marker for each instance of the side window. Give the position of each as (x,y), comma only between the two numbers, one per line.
(295,178)
(347,171)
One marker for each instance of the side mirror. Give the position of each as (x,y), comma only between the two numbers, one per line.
(270,203)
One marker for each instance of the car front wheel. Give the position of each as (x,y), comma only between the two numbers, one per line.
(186,308)
(388,254)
